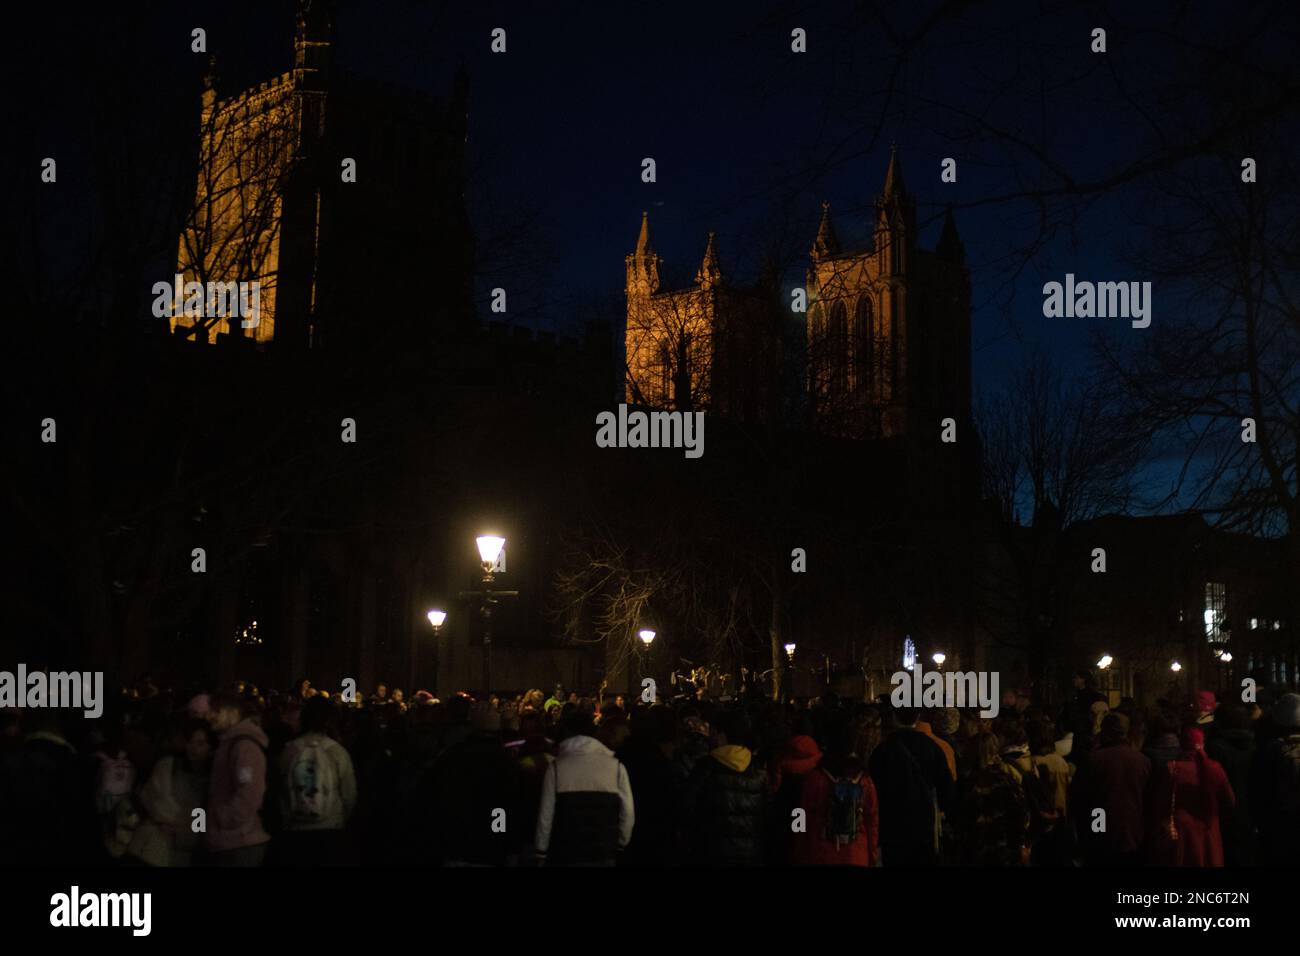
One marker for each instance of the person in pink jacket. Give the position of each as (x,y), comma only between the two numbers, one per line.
(236,836)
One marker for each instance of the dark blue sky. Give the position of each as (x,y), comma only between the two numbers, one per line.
(748,137)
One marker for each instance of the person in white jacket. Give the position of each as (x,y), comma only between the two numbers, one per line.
(586,813)
(318,792)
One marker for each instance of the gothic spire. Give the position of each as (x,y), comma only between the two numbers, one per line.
(710,273)
(894,175)
(827,243)
(643,240)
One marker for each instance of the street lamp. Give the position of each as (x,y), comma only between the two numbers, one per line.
(1225,657)
(489,550)
(789,652)
(939,658)
(1175,667)
(646,636)
(436,618)
(1106,661)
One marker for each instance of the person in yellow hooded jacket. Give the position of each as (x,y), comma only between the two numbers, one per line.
(724,802)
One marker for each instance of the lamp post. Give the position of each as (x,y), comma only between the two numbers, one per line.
(436,618)
(647,636)
(489,550)
(789,669)
(1103,665)
(938,658)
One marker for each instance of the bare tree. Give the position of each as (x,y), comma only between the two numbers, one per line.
(1056,453)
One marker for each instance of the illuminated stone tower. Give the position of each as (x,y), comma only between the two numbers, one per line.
(336,254)
(887,350)
(670,333)
(888,326)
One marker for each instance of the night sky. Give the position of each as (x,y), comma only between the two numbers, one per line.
(748,137)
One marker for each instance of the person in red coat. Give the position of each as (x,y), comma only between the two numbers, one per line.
(1196,788)
(820,844)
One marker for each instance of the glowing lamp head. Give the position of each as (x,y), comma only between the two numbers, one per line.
(1106,661)
(939,658)
(489,548)
(646,636)
(1175,667)
(437,617)
(789,651)
(1226,657)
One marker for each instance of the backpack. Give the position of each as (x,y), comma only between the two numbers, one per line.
(843,809)
(312,785)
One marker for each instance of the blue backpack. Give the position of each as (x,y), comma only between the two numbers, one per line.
(844,809)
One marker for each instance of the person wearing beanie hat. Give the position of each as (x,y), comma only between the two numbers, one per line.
(1190,794)
(1275,787)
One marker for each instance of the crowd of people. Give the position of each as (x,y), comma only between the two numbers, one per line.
(242,778)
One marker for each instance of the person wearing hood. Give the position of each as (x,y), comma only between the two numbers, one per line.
(1275,786)
(586,814)
(1187,797)
(842,815)
(237,784)
(724,803)
(798,757)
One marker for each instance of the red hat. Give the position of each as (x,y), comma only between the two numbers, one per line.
(1205,702)
(1193,738)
